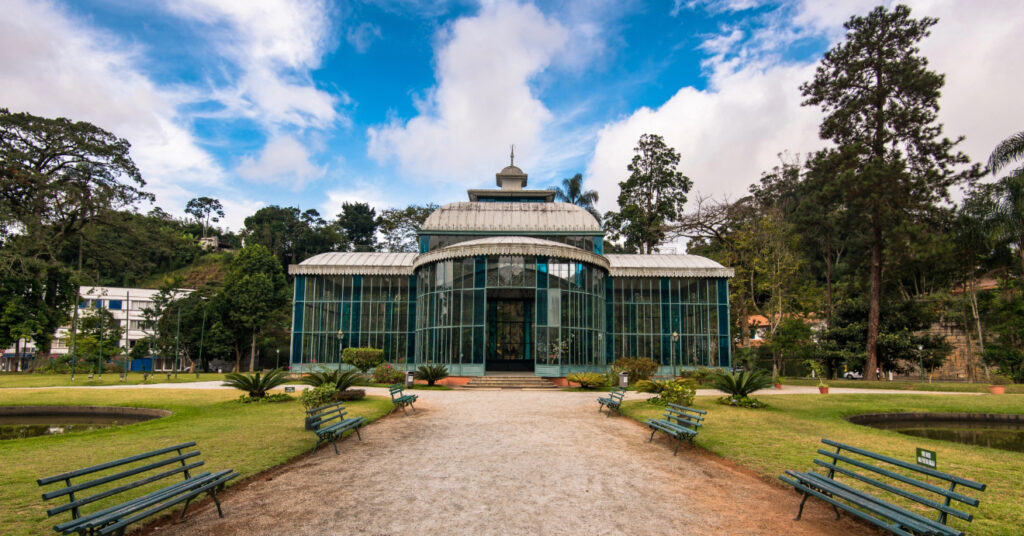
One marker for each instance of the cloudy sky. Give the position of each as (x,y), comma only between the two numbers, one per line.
(312,103)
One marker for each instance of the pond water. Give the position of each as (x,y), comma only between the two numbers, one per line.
(1005,432)
(32,421)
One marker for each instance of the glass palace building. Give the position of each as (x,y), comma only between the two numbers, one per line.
(512,281)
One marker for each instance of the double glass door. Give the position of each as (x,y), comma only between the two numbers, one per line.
(508,323)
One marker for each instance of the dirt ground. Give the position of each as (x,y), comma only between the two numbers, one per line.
(508,462)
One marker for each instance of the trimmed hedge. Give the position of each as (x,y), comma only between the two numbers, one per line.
(363,359)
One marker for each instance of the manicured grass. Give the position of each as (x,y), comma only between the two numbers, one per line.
(954,387)
(25,379)
(788,433)
(249,438)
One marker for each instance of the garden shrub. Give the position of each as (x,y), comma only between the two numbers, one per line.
(256,385)
(320,395)
(701,375)
(679,392)
(276,397)
(363,359)
(386,373)
(341,379)
(742,402)
(431,373)
(638,368)
(587,380)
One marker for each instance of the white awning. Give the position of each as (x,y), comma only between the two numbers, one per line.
(351,262)
(624,265)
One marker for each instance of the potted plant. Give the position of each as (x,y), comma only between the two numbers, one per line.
(777,381)
(819,372)
(998,384)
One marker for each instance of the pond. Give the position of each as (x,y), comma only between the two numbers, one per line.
(18,422)
(998,431)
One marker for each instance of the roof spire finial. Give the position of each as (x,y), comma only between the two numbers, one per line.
(512,157)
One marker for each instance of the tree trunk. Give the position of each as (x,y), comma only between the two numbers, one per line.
(238,358)
(744,325)
(828,281)
(977,324)
(875,299)
(252,354)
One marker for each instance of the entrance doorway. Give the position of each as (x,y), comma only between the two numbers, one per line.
(508,330)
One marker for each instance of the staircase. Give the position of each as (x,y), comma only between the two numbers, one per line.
(509,382)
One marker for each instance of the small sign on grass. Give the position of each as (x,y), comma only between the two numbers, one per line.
(927,458)
(289,389)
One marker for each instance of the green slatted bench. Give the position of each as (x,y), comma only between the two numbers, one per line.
(612,401)
(329,423)
(127,474)
(679,422)
(400,399)
(874,506)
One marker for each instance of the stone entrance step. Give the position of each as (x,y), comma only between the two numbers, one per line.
(509,382)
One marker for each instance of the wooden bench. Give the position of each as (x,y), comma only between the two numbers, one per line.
(679,422)
(400,399)
(876,473)
(612,401)
(138,471)
(329,423)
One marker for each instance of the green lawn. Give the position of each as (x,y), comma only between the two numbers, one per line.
(788,433)
(26,379)
(956,387)
(247,437)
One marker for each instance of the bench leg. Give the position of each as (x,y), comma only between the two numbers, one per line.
(652,436)
(800,512)
(182,516)
(413,406)
(213,495)
(679,441)
(334,441)
(358,434)
(403,409)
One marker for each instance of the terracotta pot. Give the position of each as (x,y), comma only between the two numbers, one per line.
(778,386)
(997,389)
(823,390)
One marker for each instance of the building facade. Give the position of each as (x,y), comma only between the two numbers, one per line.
(512,281)
(126,307)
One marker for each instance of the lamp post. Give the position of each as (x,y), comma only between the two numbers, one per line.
(277,363)
(177,344)
(920,360)
(99,364)
(341,343)
(675,339)
(202,336)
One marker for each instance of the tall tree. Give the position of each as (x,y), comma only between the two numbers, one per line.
(255,289)
(400,225)
(652,198)
(59,176)
(291,235)
(571,191)
(205,210)
(1007,222)
(359,222)
(881,103)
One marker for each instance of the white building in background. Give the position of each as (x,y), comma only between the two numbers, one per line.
(126,305)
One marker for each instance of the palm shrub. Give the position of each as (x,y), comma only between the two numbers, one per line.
(742,384)
(588,380)
(431,373)
(256,384)
(363,359)
(678,391)
(340,379)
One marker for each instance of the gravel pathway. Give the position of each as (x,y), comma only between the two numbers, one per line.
(508,462)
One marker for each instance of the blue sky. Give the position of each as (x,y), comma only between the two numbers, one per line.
(312,103)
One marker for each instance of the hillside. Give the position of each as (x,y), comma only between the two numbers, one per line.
(208,269)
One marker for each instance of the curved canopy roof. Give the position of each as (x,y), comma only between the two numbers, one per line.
(665,266)
(349,262)
(511,217)
(511,245)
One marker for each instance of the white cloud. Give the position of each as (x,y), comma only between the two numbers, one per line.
(361,192)
(730,132)
(275,43)
(362,36)
(284,160)
(483,101)
(53,65)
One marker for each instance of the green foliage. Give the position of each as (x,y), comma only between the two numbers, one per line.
(340,379)
(359,222)
(588,380)
(292,236)
(742,384)
(700,375)
(400,225)
(269,399)
(205,210)
(256,385)
(652,198)
(363,359)
(818,370)
(431,373)
(386,373)
(571,191)
(638,368)
(742,402)
(679,392)
(320,395)
(254,291)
